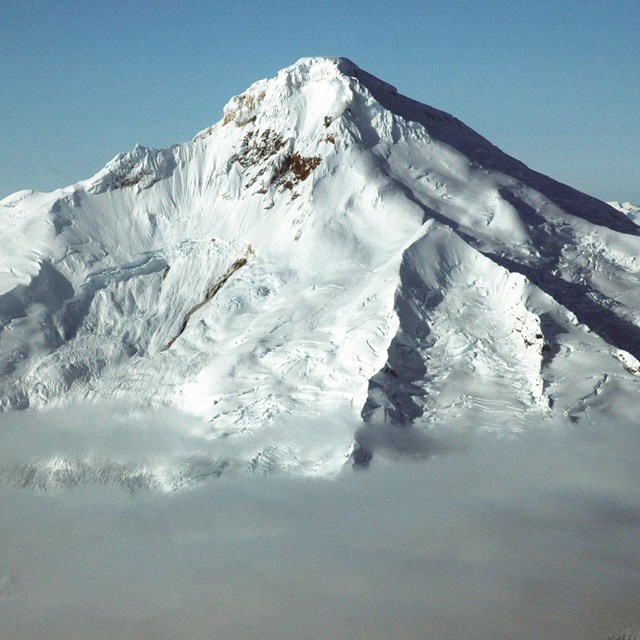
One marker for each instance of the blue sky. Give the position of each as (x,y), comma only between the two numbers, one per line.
(555,84)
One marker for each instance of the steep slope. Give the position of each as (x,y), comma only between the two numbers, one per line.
(328,248)
(630,210)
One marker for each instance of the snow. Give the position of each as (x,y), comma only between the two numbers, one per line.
(632,211)
(329,248)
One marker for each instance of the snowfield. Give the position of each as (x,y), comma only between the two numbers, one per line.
(329,248)
(630,210)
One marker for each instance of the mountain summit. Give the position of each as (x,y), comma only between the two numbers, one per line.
(330,255)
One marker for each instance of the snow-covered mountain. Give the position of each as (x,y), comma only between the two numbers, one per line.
(630,210)
(330,254)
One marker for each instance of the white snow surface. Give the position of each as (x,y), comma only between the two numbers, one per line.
(632,211)
(330,255)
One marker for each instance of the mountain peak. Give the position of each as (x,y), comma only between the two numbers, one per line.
(317,68)
(309,93)
(328,245)
(339,63)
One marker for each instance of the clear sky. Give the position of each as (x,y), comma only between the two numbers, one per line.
(555,84)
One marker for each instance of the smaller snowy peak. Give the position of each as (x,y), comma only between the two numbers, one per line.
(141,167)
(632,211)
(16,198)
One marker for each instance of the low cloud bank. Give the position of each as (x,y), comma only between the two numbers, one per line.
(534,537)
(119,443)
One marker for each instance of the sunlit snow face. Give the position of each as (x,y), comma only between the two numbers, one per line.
(534,537)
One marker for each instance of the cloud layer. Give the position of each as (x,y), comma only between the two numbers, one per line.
(534,537)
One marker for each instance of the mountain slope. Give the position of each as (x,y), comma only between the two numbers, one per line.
(328,248)
(630,210)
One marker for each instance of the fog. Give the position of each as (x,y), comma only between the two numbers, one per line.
(531,537)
